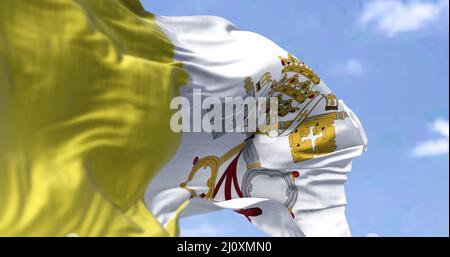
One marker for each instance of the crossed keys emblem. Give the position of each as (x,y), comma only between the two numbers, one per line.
(213,163)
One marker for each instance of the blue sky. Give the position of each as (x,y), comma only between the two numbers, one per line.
(388,60)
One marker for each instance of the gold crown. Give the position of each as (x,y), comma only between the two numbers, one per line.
(292,64)
(291,86)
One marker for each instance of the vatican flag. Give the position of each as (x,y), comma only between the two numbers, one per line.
(86,143)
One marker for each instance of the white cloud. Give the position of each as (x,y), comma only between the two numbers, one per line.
(441,127)
(433,147)
(352,67)
(372,235)
(395,17)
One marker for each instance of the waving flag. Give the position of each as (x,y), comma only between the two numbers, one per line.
(86,145)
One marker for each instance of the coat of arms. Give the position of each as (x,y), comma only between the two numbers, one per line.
(311,134)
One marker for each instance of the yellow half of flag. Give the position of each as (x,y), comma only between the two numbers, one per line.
(85,88)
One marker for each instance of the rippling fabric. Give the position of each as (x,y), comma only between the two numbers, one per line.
(85,87)
(290,183)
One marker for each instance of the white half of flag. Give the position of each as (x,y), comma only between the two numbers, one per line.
(291,184)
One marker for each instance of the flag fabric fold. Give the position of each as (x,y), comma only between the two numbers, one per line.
(84,87)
